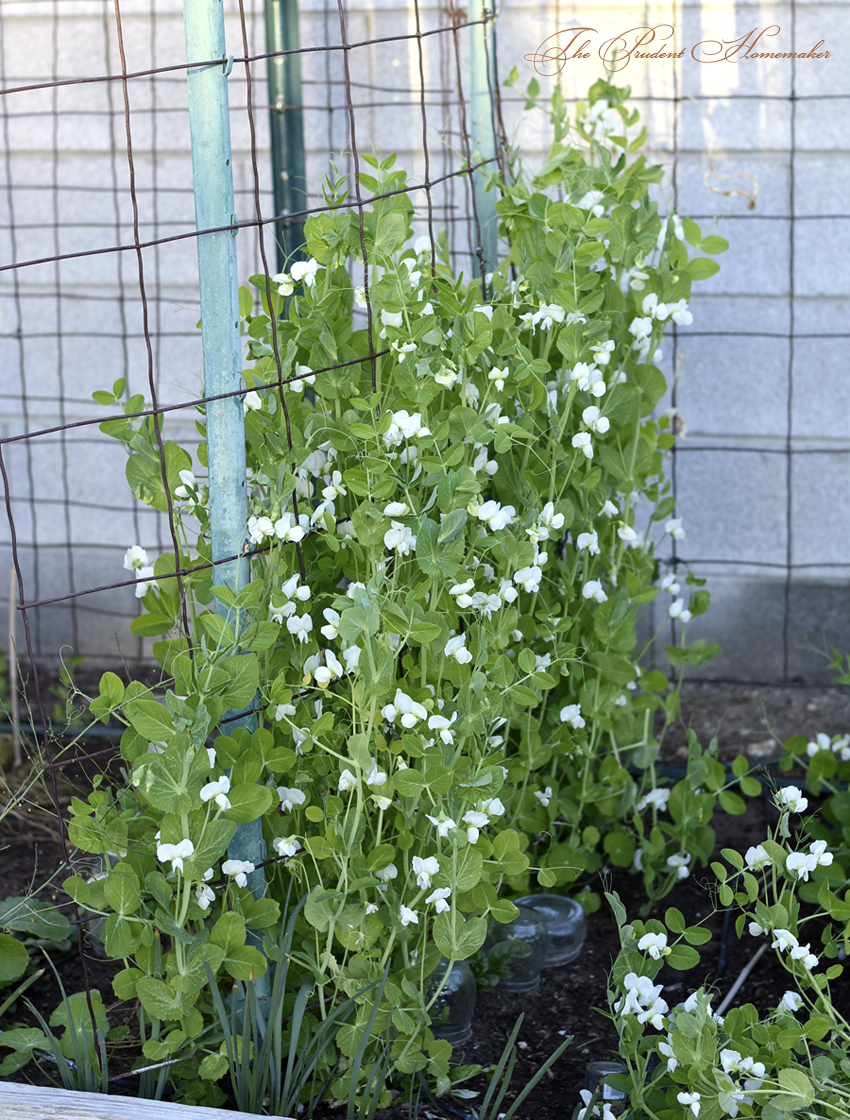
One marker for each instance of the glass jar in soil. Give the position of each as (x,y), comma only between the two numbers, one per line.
(451,1012)
(528,943)
(566,925)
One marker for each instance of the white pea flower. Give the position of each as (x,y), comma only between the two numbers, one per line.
(581,373)
(545,797)
(791,798)
(596,384)
(399,538)
(293,588)
(375,777)
(305,271)
(218,791)
(286,845)
(593,590)
(665,1049)
(602,352)
(460,591)
(211,756)
(444,727)
(493,807)
(303,376)
(797,864)
(240,869)
(382,802)
(674,528)
(284,283)
(405,709)
(657,798)
(755,929)
(571,714)
(593,201)
(791,1001)
(427,309)
(641,329)
(680,314)
(387,873)
(442,824)
(529,578)
(252,402)
(331,631)
(498,376)
(396,509)
(679,863)
(783,939)
(446,377)
(422,245)
(439,898)
(821,742)
(407,916)
(135,558)
(259,528)
(819,856)
(496,516)
(626,533)
(581,441)
(189,484)
(176,853)
(594,421)
(804,954)
(425,870)
(456,648)
(287,528)
(346,781)
(403,350)
(204,896)
(371,908)
(678,610)
(475,821)
(757,858)
(290,797)
(335,489)
(691,1100)
(654,944)
(351,657)
(507,591)
(653,308)
(609,509)
(669,584)
(300,627)
(146,582)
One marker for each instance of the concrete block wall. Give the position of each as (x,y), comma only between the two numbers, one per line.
(760,378)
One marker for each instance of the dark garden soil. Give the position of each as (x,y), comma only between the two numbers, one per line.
(744,717)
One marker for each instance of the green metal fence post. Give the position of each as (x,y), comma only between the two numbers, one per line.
(217,274)
(289,179)
(482,85)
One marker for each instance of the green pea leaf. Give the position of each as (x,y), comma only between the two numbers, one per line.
(682,958)
(248,802)
(13,959)
(121,890)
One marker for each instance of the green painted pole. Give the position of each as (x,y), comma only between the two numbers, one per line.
(217,274)
(482,85)
(289,176)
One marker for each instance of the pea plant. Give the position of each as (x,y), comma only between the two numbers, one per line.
(789,1060)
(438,640)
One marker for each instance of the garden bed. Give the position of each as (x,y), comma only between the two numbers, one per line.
(570,997)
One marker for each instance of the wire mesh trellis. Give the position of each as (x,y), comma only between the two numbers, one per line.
(758,475)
